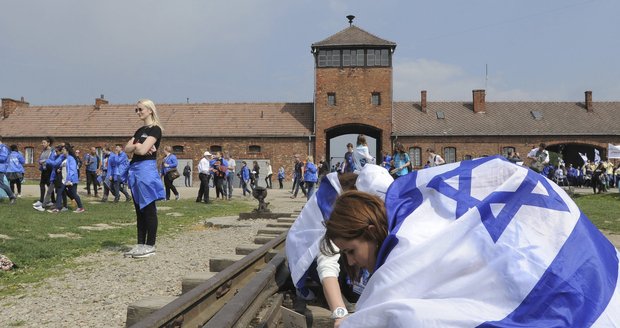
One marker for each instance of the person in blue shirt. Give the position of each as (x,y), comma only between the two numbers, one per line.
(67,182)
(244,174)
(15,170)
(348,165)
(57,177)
(170,162)
(401,162)
(310,176)
(120,167)
(4,164)
(281,176)
(387,161)
(92,162)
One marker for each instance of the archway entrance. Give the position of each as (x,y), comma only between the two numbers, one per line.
(337,138)
(570,152)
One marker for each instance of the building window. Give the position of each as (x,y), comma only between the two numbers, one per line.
(467,158)
(329,58)
(375,99)
(214,149)
(254,149)
(29,155)
(507,150)
(178,149)
(378,57)
(415,155)
(449,154)
(331,99)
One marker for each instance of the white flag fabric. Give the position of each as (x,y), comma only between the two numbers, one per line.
(304,236)
(486,243)
(584,158)
(613,151)
(597,156)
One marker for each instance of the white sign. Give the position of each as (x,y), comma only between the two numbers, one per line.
(613,151)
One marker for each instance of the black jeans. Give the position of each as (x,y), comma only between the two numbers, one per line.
(91,178)
(203,191)
(146,223)
(169,186)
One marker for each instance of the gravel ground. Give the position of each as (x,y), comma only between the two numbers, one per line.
(97,293)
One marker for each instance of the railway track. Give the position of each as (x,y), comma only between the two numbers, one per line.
(233,296)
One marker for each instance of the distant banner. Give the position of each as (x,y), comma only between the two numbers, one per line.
(613,151)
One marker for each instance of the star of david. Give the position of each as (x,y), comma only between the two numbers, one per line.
(509,201)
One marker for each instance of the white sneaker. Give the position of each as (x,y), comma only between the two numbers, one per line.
(38,203)
(50,204)
(64,209)
(39,208)
(145,251)
(135,250)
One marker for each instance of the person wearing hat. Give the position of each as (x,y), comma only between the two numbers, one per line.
(204,175)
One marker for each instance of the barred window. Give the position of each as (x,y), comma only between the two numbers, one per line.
(331,98)
(449,154)
(178,149)
(215,148)
(415,155)
(29,155)
(375,98)
(254,149)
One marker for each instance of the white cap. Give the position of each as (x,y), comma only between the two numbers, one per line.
(206,153)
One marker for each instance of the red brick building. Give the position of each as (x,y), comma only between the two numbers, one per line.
(353,94)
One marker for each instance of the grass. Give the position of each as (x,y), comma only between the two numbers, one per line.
(601,209)
(43,244)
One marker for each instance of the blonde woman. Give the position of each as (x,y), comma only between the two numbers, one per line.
(144,181)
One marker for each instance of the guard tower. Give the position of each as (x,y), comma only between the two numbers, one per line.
(353,87)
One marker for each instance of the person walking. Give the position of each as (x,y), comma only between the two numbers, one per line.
(169,163)
(268,183)
(245,175)
(310,176)
(143,177)
(15,170)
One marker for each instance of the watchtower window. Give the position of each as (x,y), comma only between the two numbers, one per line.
(329,58)
(331,99)
(375,99)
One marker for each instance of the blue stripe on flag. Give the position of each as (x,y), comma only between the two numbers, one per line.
(402,198)
(325,198)
(577,285)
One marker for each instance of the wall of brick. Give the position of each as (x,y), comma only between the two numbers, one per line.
(353,88)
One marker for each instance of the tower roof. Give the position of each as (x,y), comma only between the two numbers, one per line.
(353,36)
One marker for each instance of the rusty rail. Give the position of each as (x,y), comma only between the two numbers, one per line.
(198,306)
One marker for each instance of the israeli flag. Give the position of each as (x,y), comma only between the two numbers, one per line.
(304,236)
(486,243)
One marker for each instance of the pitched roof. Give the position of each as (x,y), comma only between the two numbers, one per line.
(506,118)
(353,36)
(179,120)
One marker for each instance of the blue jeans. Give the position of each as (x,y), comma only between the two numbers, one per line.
(5,187)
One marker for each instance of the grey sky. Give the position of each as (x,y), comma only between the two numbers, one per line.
(70,51)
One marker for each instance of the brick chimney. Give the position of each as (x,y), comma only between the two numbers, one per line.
(99,102)
(589,102)
(423,101)
(479,102)
(10,105)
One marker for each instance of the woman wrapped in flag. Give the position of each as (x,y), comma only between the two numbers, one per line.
(482,243)
(304,237)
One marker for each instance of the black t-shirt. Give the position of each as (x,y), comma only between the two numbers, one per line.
(141,135)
